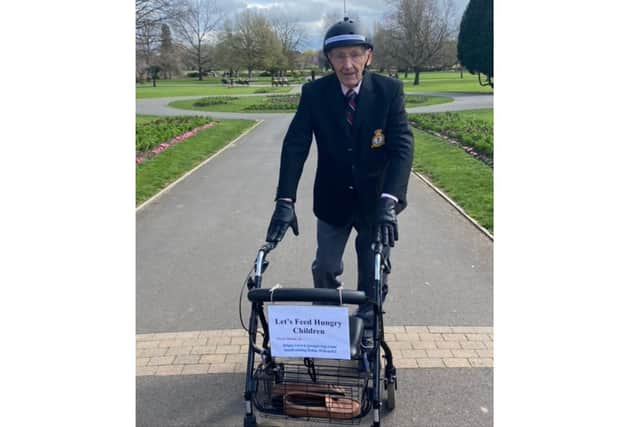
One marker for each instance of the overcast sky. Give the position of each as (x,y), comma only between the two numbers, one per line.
(309,12)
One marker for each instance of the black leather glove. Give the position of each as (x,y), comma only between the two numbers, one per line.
(386,225)
(284,216)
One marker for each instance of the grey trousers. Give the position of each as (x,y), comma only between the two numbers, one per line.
(328,264)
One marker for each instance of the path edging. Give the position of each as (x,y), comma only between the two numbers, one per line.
(454,204)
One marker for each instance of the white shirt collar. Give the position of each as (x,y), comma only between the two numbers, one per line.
(346,89)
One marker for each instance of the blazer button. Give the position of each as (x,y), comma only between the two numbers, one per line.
(351,187)
(349,149)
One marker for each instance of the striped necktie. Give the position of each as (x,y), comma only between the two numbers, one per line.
(351,106)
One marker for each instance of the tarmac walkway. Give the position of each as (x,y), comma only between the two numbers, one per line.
(196,243)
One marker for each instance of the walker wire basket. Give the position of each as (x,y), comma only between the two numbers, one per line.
(328,390)
(317,389)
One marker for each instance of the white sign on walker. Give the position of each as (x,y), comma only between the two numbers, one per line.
(309,331)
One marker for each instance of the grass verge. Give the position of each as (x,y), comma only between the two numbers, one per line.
(256,104)
(441,81)
(411,101)
(468,181)
(157,173)
(167,89)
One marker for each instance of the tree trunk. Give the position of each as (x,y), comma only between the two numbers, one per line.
(416,79)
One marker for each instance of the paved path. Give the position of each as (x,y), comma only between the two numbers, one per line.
(160,107)
(196,243)
(218,351)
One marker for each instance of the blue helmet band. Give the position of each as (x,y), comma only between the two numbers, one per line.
(344,37)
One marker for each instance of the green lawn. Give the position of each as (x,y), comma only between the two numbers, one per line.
(261,104)
(468,181)
(437,81)
(411,101)
(444,82)
(160,171)
(140,119)
(184,81)
(233,105)
(168,88)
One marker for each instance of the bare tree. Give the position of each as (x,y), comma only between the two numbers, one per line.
(383,58)
(147,43)
(156,11)
(150,16)
(166,52)
(195,26)
(255,43)
(448,56)
(419,32)
(308,59)
(290,34)
(224,54)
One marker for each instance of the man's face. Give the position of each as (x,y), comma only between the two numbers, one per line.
(349,62)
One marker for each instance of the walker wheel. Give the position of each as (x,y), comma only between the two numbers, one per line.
(250,421)
(391,395)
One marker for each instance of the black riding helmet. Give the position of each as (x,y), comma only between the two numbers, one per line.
(345,33)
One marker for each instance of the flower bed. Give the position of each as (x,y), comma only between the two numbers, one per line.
(144,155)
(284,99)
(214,100)
(149,134)
(474,134)
(277,102)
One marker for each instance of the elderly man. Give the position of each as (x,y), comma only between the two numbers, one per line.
(365,150)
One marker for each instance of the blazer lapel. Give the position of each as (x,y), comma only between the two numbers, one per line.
(337,106)
(365,103)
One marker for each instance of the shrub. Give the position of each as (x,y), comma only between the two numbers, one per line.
(275,106)
(194,74)
(284,99)
(277,102)
(214,100)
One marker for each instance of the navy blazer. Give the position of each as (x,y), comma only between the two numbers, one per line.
(354,165)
